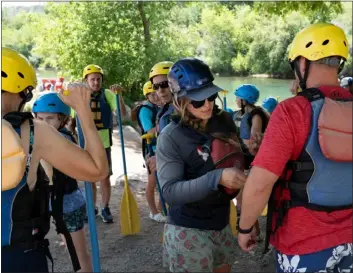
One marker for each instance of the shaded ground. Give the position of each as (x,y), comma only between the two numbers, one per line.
(143,252)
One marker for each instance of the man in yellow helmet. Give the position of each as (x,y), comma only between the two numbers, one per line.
(305,160)
(158,77)
(25,215)
(146,119)
(103,107)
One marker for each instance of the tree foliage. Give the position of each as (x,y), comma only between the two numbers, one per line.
(126,38)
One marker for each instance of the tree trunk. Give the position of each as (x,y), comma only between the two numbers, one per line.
(145,22)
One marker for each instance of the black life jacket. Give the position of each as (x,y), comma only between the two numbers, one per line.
(31,212)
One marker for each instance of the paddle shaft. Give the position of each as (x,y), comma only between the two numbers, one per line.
(164,207)
(121,133)
(90,210)
(224,102)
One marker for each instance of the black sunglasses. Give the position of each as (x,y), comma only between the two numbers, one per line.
(199,104)
(162,85)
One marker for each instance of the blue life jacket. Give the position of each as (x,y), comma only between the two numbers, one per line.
(164,115)
(316,183)
(25,211)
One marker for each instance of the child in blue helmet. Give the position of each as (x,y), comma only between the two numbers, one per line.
(269,104)
(49,108)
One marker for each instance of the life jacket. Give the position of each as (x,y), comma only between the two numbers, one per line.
(237,118)
(154,110)
(246,119)
(164,117)
(226,152)
(12,156)
(25,218)
(101,112)
(20,207)
(321,178)
(203,153)
(65,182)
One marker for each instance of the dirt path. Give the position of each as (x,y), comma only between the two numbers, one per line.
(143,252)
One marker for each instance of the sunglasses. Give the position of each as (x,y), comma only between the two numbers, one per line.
(162,85)
(199,104)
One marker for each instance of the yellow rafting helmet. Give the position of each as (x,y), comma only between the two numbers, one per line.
(92,68)
(161,68)
(147,88)
(17,73)
(319,41)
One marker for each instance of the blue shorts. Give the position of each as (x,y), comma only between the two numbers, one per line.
(334,259)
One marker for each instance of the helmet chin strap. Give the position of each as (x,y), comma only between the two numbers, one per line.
(25,98)
(302,80)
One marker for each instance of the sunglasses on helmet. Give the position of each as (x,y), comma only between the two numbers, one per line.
(163,84)
(199,104)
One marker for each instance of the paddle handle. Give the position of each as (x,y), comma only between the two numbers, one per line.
(224,93)
(90,211)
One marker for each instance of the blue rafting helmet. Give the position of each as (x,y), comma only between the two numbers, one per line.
(50,103)
(230,111)
(192,78)
(269,104)
(248,92)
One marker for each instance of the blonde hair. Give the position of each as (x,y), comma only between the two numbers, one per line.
(188,118)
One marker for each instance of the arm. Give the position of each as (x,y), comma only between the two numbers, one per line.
(256,125)
(170,168)
(145,117)
(89,164)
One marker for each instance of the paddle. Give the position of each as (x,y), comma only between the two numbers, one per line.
(129,214)
(149,138)
(224,93)
(233,217)
(90,210)
(89,206)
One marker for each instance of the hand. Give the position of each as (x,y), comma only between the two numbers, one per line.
(116,88)
(151,164)
(255,142)
(233,178)
(247,242)
(78,95)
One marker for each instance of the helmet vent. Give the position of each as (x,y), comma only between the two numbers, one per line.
(345,43)
(325,42)
(21,75)
(308,44)
(3,74)
(180,76)
(51,104)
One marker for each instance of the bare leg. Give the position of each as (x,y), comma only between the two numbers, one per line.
(84,258)
(105,191)
(150,191)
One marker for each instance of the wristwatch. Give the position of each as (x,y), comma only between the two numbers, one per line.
(244,231)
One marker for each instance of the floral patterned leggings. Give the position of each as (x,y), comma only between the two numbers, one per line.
(335,259)
(196,250)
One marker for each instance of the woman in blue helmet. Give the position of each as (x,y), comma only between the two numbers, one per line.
(48,107)
(200,166)
(253,119)
(269,104)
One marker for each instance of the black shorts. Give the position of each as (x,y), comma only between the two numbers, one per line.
(109,156)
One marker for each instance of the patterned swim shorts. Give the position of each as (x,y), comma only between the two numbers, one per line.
(196,250)
(75,220)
